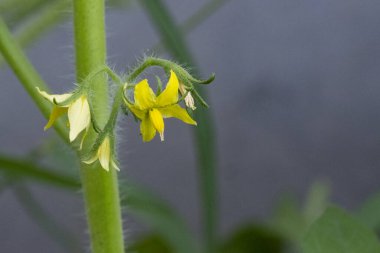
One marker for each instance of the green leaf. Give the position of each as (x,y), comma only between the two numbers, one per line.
(24,168)
(152,243)
(337,232)
(369,213)
(253,238)
(163,219)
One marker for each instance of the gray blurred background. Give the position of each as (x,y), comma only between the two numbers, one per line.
(296,98)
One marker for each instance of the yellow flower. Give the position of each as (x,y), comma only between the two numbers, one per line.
(104,155)
(151,109)
(78,112)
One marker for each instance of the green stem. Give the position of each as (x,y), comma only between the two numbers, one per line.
(100,188)
(26,73)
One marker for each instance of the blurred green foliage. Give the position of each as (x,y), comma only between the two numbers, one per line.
(337,232)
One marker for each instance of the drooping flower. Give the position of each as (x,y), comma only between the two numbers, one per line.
(104,155)
(78,112)
(151,109)
(189,100)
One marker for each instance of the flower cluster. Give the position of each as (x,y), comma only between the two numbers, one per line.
(148,107)
(151,109)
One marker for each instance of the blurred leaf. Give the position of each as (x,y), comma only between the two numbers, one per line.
(26,74)
(369,213)
(337,232)
(253,239)
(291,221)
(56,154)
(32,18)
(288,219)
(170,34)
(23,168)
(6,182)
(45,17)
(14,11)
(316,201)
(152,243)
(39,20)
(37,214)
(205,141)
(208,8)
(157,214)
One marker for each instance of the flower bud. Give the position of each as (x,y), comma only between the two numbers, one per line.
(189,100)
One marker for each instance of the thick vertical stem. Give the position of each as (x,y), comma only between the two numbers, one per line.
(100,188)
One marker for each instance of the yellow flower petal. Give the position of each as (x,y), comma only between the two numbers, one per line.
(157,121)
(104,154)
(55,113)
(144,95)
(79,116)
(59,98)
(137,112)
(178,112)
(147,129)
(170,94)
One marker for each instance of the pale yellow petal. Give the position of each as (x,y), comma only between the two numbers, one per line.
(55,114)
(91,160)
(170,94)
(59,98)
(178,112)
(144,95)
(157,122)
(147,129)
(104,154)
(115,165)
(79,116)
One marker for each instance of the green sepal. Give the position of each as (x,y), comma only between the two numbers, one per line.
(95,125)
(77,93)
(125,109)
(159,86)
(199,98)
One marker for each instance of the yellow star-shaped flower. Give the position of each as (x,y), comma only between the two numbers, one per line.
(78,112)
(151,109)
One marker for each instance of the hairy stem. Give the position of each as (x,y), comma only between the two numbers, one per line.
(100,188)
